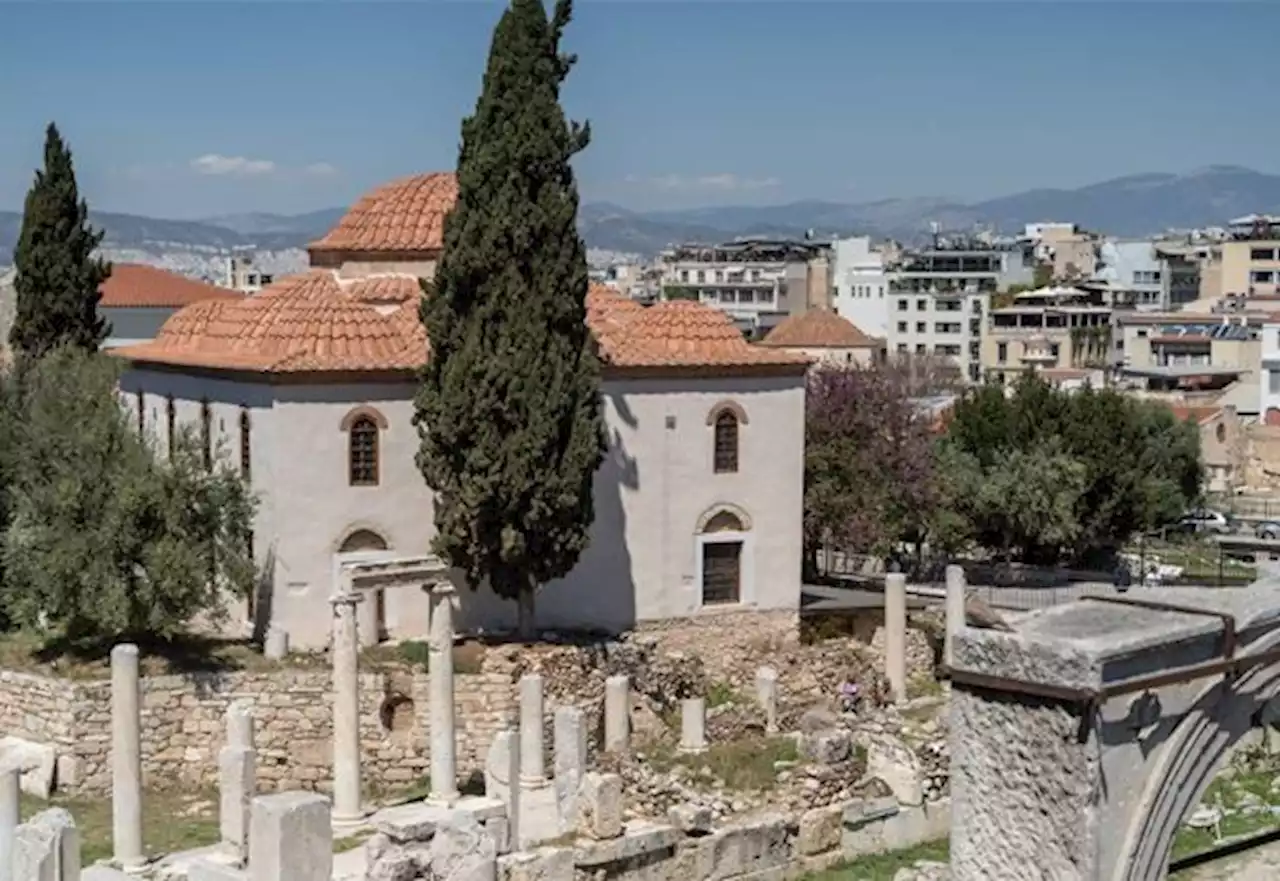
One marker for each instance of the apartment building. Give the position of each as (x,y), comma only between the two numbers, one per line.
(1146,275)
(1196,357)
(1250,256)
(757,282)
(1269,371)
(1069,251)
(939,297)
(1064,332)
(244,277)
(860,284)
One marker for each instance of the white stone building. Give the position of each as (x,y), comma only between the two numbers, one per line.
(309,385)
(860,281)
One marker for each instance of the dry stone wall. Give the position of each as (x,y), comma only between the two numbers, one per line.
(183,716)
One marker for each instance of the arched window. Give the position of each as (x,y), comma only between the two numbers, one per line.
(726,442)
(206,435)
(362,451)
(246,452)
(170,419)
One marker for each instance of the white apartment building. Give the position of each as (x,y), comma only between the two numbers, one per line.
(939,297)
(757,282)
(861,284)
(1269,378)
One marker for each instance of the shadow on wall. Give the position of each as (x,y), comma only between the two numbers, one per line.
(263,596)
(600,593)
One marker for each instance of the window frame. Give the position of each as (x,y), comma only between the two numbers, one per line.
(361,423)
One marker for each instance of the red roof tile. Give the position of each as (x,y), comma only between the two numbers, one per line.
(404,215)
(819,329)
(139,285)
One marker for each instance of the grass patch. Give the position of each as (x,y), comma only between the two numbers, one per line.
(742,765)
(1232,793)
(923,685)
(171,821)
(27,653)
(351,842)
(883,866)
(721,693)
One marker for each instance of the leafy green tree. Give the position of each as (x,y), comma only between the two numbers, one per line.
(1140,467)
(509,407)
(57,275)
(105,540)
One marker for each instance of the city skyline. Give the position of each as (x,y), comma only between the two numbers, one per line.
(291,107)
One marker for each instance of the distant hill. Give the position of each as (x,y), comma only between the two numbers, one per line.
(1127,206)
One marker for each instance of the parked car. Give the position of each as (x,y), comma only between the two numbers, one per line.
(1268,530)
(1204,520)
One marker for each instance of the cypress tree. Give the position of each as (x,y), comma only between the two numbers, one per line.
(58,276)
(509,407)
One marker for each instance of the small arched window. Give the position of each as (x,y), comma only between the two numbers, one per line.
(170,420)
(246,451)
(206,435)
(726,442)
(363,451)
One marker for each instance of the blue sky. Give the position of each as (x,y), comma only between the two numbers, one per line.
(185,109)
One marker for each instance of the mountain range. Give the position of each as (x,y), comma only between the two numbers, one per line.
(1136,205)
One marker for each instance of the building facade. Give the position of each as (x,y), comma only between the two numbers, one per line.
(1146,275)
(1250,257)
(1051,329)
(310,384)
(756,282)
(861,284)
(939,297)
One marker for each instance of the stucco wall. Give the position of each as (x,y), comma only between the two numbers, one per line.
(654,488)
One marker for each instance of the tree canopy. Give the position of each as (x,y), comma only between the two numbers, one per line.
(509,407)
(58,277)
(104,539)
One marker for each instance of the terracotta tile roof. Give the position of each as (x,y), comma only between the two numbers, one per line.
(819,329)
(316,322)
(304,323)
(404,215)
(138,285)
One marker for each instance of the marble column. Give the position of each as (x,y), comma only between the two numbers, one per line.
(617,714)
(895,634)
(767,696)
(126,759)
(693,725)
(532,756)
(345,653)
(955,611)
(240,724)
(9,817)
(444,773)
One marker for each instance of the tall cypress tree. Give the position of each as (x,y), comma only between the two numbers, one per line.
(58,276)
(509,407)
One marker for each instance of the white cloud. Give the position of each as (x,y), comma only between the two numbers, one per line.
(320,169)
(239,166)
(724,182)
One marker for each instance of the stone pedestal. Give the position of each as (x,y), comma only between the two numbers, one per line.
(955,611)
(346,711)
(9,817)
(693,725)
(767,696)
(292,838)
(617,714)
(532,761)
(571,764)
(126,759)
(444,774)
(895,634)
(275,645)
